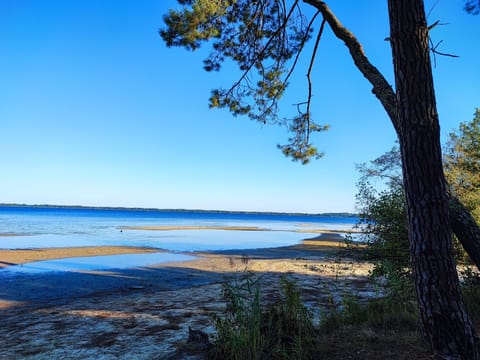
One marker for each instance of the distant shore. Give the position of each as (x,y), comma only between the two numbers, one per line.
(119,208)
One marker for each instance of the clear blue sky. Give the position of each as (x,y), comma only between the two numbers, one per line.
(95,110)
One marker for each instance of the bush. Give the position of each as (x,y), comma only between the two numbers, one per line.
(248,330)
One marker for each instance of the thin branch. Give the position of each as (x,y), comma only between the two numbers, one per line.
(432,8)
(304,40)
(435,52)
(298,106)
(309,72)
(444,54)
(395,179)
(381,88)
(430,27)
(252,63)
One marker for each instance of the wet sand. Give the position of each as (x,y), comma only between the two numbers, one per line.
(145,313)
(326,242)
(23,256)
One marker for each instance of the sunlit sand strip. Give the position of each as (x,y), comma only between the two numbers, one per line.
(5,304)
(324,231)
(234,228)
(23,256)
(165,228)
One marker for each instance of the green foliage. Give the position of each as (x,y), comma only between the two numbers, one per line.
(379,314)
(383,212)
(248,330)
(299,148)
(383,217)
(462,164)
(472,6)
(198,22)
(251,329)
(471,292)
(264,39)
(385,223)
(239,331)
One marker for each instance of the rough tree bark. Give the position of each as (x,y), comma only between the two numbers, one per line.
(462,223)
(444,319)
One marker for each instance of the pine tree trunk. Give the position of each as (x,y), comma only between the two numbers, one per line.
(444,319)
(466,229)
(462,223)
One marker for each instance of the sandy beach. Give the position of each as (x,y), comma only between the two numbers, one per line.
(145,313)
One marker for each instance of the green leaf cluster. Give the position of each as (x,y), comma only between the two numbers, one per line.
(472,6)
(462,164)
(383,218)
(383,212)
(198,21)
(264,39)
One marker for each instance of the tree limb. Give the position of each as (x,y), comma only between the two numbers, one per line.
(461,222)
(381,88)
(309,72)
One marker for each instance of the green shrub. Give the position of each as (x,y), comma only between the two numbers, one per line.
(471,292)
(379,314)
(248,330)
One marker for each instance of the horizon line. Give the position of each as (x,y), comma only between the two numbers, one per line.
(344,213)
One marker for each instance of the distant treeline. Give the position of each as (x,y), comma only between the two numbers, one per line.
(80,207)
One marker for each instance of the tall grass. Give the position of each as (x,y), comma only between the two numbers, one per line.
(253,329)
(248,330)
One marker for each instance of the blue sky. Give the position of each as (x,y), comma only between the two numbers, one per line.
(95,110)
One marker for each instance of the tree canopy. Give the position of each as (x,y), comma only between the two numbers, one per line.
(472,6)
(381,198)
(462,164)
(265,40)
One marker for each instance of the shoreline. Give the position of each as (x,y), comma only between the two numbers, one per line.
(146,312)
(325,242)
(9,257)
(187,227)
(238,228)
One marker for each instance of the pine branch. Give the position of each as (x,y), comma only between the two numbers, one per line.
(381,88)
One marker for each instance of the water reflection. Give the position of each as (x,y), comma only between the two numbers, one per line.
(175,240)
(89,263)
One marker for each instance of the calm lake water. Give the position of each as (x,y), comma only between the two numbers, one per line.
(65,227)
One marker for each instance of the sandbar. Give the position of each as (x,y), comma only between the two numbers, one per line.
(324,243)
(169,228)
(239,228)
(22,256)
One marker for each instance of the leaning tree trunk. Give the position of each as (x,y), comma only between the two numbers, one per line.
(466,229)
(462,222)
(444,319)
